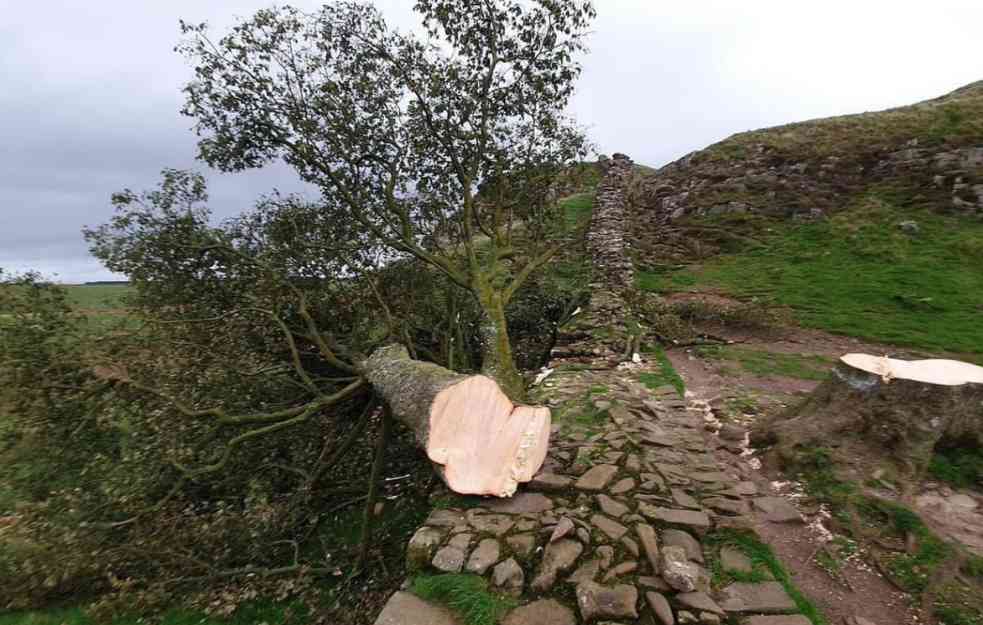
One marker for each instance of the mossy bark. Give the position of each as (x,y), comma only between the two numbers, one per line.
(868,421)
(497,361)
(408,386)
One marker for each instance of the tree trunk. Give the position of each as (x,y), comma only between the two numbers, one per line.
(497,361)
(482,443)
(878,411)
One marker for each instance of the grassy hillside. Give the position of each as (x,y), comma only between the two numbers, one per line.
(867,225)
(955,119)
(859,274)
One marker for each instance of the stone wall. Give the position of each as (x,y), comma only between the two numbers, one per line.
(761,181)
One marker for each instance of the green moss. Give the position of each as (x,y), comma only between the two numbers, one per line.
(666,374)
(467,595)
(763,562)
(960,466)
(576,209)
(770,364)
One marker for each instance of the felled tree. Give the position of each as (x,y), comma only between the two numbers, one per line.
(442,148)
(292,292)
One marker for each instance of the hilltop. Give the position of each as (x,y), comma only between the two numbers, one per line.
(867,225)
(927,154)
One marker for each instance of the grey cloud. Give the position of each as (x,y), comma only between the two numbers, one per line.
(90,92)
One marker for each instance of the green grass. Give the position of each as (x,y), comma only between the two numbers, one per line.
(576,209)
(762,559)
(961,467)
(249,614)
(665,376)
(467,595)
(858,274)
(97,296)
(770,364)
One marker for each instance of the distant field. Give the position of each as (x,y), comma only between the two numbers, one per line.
(97,296)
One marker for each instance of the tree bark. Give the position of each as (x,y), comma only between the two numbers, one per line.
(497,361)
(877,411)
(482,443)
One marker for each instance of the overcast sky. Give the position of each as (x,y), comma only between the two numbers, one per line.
(90,91)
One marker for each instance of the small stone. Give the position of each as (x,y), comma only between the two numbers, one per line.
(963,501)
(404,608)
(622,569)
(446,518)
(657,583)
(709,618)
(731,507)
(679,572)
(550,482)
(698,601)
(605,556)
(596,601)
(522,503)
(542,612)
(526,525)
(711,476)
(612,529)
(564,527)
(583,535)
(522,545)
(732,432)
(633,464)
(423,546)
(679,538)
(650,543)
(660,607)
(484,556)
(508,577)
(733,560)
(449,560)
(597,477)
(696,520)
(495,524)
(586,572)
(623,486)
(763,598)
(684,500)
(558,558)
(747,489)
(778,509)
(611,507)
(630,545)
(685,618)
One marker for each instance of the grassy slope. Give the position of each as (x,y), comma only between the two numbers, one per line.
(859,274)
(91,297)
(954,119)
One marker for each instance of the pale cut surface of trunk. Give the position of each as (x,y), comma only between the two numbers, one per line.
(482,443)
(876,411)
(942,372)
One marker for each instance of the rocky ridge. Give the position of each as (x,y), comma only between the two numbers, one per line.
(927,155)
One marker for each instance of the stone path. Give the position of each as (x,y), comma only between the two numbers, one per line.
(619,525)
(616,527)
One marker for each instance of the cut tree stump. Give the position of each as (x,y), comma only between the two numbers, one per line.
(874,409)
(481,442)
